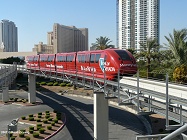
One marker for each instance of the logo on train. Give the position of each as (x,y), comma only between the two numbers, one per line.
(101,64)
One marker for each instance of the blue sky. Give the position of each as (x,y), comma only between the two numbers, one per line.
(34,18)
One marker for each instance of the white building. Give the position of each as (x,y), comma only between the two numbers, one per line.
(136,21)
(8,36)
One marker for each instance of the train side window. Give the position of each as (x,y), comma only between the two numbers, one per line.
(43,59)
(68,58)
(79,58)
(59,58)
(35,59)
(50,58)
(72,56)
(97,58)
(63,58)
(83,58)
(30,59)
(92,58)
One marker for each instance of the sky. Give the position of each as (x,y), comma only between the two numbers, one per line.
(34,18)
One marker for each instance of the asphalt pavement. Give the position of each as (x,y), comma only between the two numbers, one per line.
(123,125)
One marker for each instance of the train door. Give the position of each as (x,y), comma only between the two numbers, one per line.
(51,63)
(35,62)
(70,62)
(43,62)
(61,62)
(29,61)
(95,63)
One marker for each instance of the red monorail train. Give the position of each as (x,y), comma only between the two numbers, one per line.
(88,63)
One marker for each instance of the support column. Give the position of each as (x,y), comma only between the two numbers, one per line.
(5,95)
(100,116)
(32,88)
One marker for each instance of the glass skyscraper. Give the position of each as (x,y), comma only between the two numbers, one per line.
(137,20)
(8,36)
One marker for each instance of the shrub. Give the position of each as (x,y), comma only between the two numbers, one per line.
(41,130)
(180,74)
(10,134)
(27,138)
(63,84)
(46,111)
(31,115)
(69,85)
(24,101)
(21,135)
(45,121)
(49,127)
(52,123)
(31,118)
(39,125)
(39,116)
(55,120)
(31,128)
(50,119)
(23,117)
(35,135)
(31,131)
(43,83)
(55,84)
(12,138)
(47,116)
(22,130)
(38,120)
(50,84)
(40,113)
(11,99)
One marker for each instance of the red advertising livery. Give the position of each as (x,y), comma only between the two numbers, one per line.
(98,63)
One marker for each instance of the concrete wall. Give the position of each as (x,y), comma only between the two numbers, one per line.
(15,54)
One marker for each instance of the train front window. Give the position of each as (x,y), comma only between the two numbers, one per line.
(123,54)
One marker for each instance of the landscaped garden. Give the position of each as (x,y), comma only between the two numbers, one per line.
(42,125)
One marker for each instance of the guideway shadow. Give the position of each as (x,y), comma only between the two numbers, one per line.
(116,116)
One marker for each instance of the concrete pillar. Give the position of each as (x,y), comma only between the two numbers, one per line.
(32,88)
(100,116)
(5,95)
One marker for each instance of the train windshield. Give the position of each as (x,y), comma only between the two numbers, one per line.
(123,54)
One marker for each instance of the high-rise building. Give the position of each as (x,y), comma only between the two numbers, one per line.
(8,36)
(137,20)
(69,38)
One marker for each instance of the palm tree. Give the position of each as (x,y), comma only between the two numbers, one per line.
(102,43)
(178,45)
(149,50)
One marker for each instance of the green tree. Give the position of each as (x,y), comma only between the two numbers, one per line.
(102,43)
(149,51)
(177,42)
(178,45)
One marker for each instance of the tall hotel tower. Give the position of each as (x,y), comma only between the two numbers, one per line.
(8,36)
(136,21)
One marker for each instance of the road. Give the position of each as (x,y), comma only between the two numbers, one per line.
(79,112)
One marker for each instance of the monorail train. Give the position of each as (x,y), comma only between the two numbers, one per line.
(100,63)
